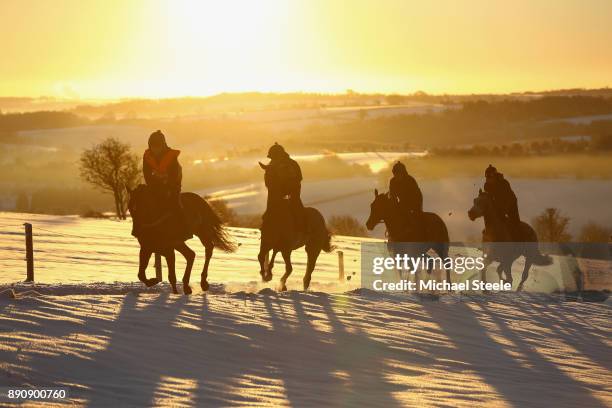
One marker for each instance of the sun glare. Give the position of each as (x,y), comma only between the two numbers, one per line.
(224,45)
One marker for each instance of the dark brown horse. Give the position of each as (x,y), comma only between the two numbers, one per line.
(280,234)
(500,246)
(432,233)
(157,232)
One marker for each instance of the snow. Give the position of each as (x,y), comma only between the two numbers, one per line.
(71,249)
(75,250)
(145,348)
(87,326)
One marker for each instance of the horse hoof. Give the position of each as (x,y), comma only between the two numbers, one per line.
(267,277)
(283,287)
(187,289)
(204,285)
(174,290)
(151,282)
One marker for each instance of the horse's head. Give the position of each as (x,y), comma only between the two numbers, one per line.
(378,209)
(139,203)
(267,177)
(482,205)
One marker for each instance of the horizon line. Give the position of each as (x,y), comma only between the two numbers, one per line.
(349,91)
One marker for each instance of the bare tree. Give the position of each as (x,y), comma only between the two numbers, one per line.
(111,166)
(551,226)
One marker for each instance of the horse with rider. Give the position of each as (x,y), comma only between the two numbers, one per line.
(164,218)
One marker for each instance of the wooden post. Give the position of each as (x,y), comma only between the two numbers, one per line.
(340,266)
(29,252)
(158,267)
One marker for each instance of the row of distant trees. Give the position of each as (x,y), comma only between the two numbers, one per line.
(598,143)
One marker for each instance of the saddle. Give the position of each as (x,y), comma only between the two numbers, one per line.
(413,224)
(172,220)
(297,214)
(512,231)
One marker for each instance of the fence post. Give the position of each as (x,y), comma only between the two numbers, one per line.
(29,252)
(158,267)
(340,265)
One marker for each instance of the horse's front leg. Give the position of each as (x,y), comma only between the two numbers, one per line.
(171,261)
(143,262)
(261,257)
(189,257)
(288,268)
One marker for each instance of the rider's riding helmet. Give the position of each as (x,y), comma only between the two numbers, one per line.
(276,151)
(157,138)
(490,171)
(399,168)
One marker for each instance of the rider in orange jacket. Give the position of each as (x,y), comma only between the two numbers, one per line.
(163,174)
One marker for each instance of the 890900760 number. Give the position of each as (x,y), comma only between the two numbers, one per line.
(9,394)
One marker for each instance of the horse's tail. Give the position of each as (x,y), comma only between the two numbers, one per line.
(222,239)
(533,250)
(322,235)
(213,229)
(327,245)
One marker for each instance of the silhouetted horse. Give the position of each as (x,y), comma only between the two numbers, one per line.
(430,234)
(279,234)
(504,248)
(157,232)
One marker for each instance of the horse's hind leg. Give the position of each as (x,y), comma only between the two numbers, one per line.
(483,272)
(143,262)
(508,272)
(288,269)
(500,269)
(525,275)
(442,252)
(209,246)
(171,261)
(313,255)
(189,257)
(208,255)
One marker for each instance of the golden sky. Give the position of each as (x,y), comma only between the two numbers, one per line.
(155,48)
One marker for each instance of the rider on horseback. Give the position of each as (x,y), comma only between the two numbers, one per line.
(285,177)
(504,199)
(406,194)
(163,175)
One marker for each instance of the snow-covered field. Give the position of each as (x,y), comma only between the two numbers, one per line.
(315,349)
(242,343)
(70,249)
(75,250)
